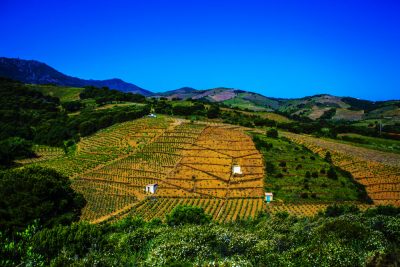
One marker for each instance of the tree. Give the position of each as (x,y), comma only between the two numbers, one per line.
(328,157)
(182,214)
(72,106)
(14,148)
(272,133)
(213,112)
(337,210)
(33,193)
(332,173)
(87,128)
(105,121)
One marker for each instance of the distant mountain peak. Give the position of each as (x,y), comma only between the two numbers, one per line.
(32,71)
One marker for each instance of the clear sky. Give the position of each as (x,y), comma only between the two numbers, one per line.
(279,48)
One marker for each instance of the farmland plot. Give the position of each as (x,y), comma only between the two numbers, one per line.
(203,177)
(306,209)
(106,145)
(148,164)
(378,171)
(221,210)
(190,162)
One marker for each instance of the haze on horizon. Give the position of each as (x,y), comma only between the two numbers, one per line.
(276,48)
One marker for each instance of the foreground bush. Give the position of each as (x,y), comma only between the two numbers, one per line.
(348,238)
(36,193)
(187,215)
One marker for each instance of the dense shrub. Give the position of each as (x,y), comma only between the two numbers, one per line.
(337,210)
(37,193)
(332,174)
(14,148)
(187,215)
(272,133)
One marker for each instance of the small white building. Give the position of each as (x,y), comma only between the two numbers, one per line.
(236,170)
(151,188)
(152,115)
(269,197)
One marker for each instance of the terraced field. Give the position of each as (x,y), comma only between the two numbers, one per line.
(192,165)
(378,171)
(305,209)
(190,162)
(222,210)
(203,176)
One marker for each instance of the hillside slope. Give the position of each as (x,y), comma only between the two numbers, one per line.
(313,107)
(230,96)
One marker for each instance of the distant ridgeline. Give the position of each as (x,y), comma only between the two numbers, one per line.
(35,72)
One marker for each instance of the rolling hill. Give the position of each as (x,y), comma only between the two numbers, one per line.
(230,96)
(35,72)
(312,107)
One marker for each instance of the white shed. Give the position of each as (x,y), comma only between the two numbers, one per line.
(269,197)
(151,188)
(236,170)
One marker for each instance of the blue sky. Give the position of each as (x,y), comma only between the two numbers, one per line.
(277,48)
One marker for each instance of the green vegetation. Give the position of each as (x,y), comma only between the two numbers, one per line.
(65,94)
(342,236)
(187,215)
(14,148)
(241,102)
(104,95)
(272,133)
(35,193)
(29,114)
(294,173)
(371,142)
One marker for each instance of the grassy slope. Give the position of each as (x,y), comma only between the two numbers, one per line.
(292,162)
(65,94)
(240,102)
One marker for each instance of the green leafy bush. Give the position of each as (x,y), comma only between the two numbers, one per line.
(272,133)
(36,193)
(182,214)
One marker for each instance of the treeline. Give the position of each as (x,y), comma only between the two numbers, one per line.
(194,108)
(105,95)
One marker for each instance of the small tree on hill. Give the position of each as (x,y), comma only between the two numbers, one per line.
(332,173)
(213,112)
(272,133)
(328,157)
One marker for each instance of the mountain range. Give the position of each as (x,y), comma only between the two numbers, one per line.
(35,72)
(313,107)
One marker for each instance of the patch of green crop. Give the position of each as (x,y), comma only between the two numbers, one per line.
(294,173)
